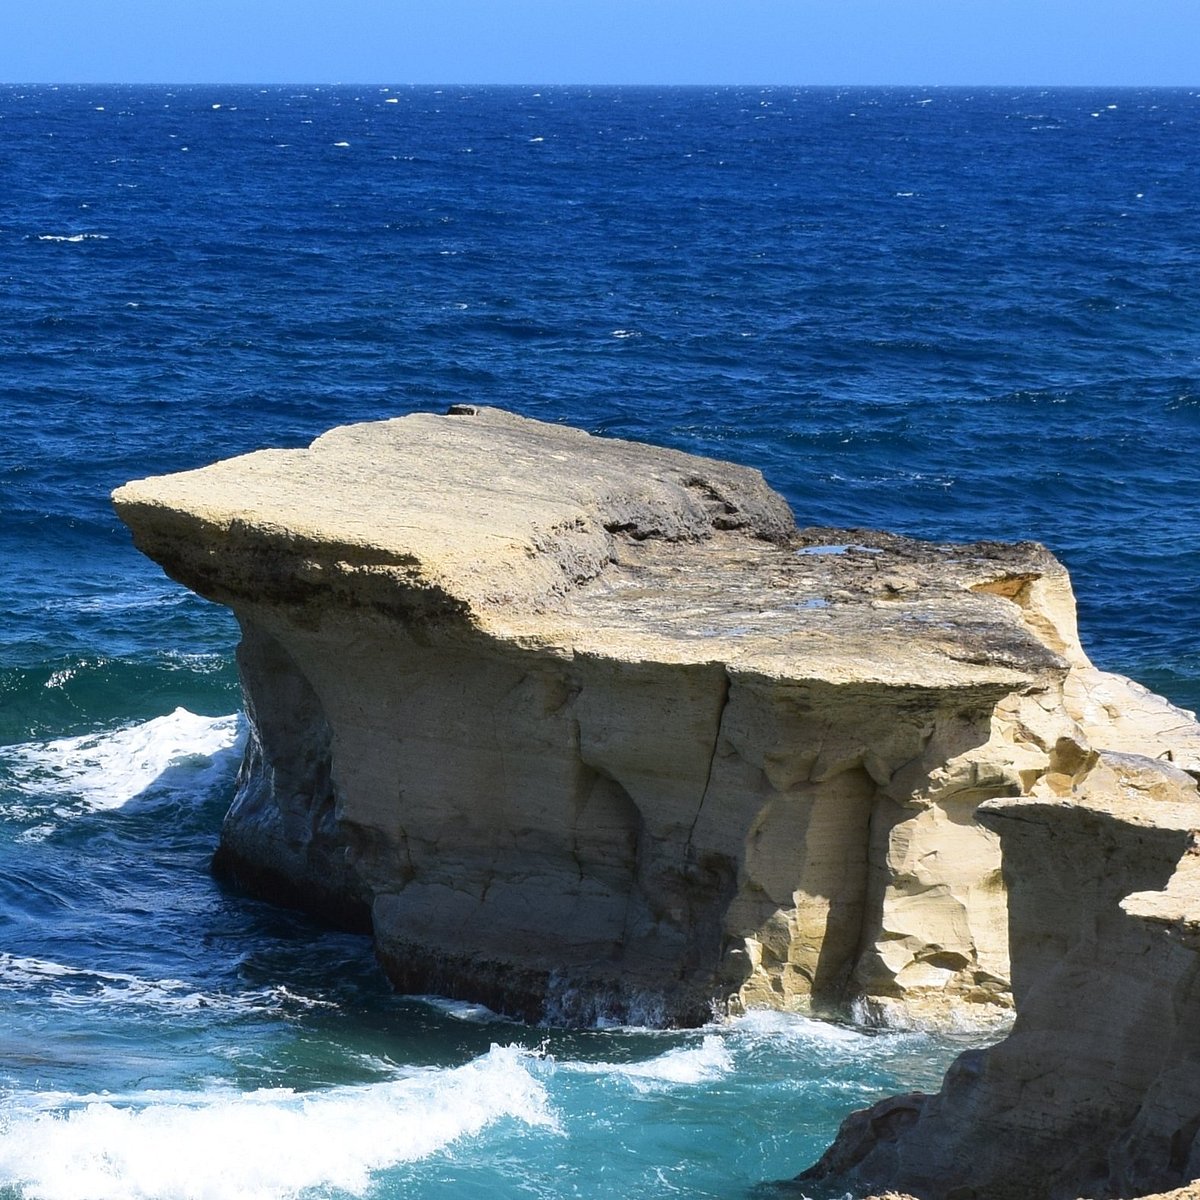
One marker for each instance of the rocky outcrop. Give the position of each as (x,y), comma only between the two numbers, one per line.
(577,725)
(1096,1091)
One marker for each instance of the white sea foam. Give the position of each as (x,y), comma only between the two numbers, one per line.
(192,660)
(72,237)
(625,333)
(262,1145)
(683,1066)
(963,1019)
(461,1010)
(130,600)
(783,1027)
(823,1041)
(108,769)
(69,987)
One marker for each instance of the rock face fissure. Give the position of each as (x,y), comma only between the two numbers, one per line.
(582,728)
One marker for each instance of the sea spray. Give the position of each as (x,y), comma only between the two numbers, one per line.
(108,769)
(260,1145)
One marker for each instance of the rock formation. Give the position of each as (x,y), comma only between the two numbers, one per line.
(1096,1091)
(580,726)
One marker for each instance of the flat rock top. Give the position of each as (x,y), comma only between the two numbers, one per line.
(551,537)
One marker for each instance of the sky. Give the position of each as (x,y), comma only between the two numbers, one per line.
(930,42)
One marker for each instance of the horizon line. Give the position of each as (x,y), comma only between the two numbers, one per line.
(579,84)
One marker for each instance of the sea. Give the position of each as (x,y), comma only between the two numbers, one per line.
(954,313)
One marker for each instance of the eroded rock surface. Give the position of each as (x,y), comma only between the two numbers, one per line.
(578,725)
(1096,1091)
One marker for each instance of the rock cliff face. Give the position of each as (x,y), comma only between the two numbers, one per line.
(577,725)
(1096,1091)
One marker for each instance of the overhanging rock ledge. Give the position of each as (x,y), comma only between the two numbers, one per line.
(585,727)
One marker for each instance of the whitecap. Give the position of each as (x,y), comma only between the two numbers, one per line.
(261,1145)
(625,333)
(391,100)
(342,145)
(106,770)
(685,1066)
(72,237)
(192,660)
(130,600)
(67,987)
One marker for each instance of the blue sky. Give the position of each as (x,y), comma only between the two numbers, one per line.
(1112,42)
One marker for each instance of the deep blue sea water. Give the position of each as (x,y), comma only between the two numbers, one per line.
(952,313)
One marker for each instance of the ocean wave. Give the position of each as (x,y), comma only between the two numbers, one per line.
(108,769)
(795,1029)
(64,987)
(685,1066)
(791,1026)
(72,237)
(129,600)
(262,1145)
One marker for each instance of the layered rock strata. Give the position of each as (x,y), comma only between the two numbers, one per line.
(581,726)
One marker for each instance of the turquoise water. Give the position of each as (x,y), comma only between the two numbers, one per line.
(163,1038)
(954,314)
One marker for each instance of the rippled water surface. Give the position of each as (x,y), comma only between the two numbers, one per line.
(950,313)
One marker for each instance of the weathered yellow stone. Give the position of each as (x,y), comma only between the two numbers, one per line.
(579,725)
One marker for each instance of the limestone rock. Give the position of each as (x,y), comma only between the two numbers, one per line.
(1096,1091)
(581,726)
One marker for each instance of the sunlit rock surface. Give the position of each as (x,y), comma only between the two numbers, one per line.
(584,727)
(1096,1091)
